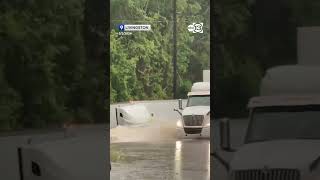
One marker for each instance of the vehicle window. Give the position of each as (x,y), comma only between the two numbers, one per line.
(199,101)
(285,123)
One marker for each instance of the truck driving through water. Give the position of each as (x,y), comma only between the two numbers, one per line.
(195,117)
(282,141)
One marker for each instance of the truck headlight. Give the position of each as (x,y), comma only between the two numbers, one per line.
(208,124)
(179,123)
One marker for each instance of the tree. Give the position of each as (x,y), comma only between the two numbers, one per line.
(44,75)
(96,38)
(141,64)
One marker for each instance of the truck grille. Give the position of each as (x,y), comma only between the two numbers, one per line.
(193,120)
(268,174)
(192,130)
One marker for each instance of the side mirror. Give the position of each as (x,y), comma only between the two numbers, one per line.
(180,104)
(225,143)
(177,111)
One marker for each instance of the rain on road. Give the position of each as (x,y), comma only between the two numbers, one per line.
(154,152)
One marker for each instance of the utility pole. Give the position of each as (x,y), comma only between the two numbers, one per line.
(174,58)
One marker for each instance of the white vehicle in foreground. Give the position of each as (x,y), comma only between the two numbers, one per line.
(195,118)
(133,115)
(283,136)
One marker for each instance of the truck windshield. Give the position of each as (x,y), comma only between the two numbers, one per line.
(198,101)
(289,122)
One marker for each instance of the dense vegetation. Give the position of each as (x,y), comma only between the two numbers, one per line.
(53,54)
(253,36)
(141,64)
(46,75)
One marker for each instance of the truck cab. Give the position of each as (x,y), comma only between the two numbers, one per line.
(195,117)
(282,141)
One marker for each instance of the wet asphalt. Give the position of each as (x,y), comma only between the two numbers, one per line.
(154,152)
(179,160)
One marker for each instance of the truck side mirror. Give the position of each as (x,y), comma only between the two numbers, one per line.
(180,104)
(177,111)
(225,134)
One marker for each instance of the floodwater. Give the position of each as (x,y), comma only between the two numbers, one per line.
(153,152)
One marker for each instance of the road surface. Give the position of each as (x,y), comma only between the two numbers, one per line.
(154,153)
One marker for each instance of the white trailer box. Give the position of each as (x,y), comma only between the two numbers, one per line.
(206,75)
(291,80)
(308,43)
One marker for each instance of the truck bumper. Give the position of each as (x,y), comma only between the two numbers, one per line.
(182,133)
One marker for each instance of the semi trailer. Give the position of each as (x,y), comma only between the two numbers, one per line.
(195,117)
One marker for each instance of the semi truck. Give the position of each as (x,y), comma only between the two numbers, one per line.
(282,141)
(195,117)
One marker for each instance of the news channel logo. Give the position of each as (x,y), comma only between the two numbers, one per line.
(196,28)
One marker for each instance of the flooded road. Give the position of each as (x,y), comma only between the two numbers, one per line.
(179,160)
(154,153)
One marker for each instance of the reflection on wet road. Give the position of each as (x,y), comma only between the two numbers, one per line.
(176,160)
(153,152)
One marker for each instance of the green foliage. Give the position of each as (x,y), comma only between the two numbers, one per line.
(184,88)
(45,79)
(236,89)
(305,13)
(10,104)
(251,43)
(240,69)
(141,64)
